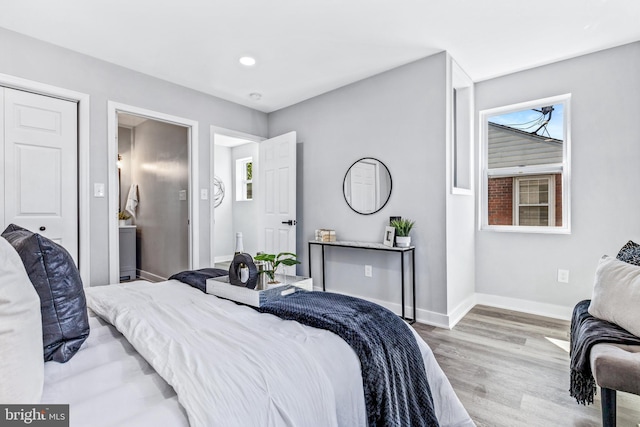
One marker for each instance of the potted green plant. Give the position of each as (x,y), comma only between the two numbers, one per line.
(123,216)
(274,261)
(403,227)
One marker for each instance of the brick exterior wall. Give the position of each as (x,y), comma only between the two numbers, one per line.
(558,200)
(501,200)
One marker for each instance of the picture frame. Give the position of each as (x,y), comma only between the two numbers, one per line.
(389,235)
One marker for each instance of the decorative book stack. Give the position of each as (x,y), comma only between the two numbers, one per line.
(325,235)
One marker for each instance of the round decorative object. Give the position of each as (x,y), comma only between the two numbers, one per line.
(367,186)
(239,262)
(218,191)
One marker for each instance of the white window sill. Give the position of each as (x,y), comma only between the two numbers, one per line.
(525,229)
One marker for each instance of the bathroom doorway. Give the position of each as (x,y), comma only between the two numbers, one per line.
(153,201)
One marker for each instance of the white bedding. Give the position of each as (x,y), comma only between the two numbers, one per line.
(232,366)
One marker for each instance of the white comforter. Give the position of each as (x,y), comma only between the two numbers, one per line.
(233,366)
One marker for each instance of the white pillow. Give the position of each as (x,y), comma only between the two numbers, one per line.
(21,359)
(616,294)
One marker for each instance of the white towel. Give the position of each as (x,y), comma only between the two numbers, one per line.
(132,200)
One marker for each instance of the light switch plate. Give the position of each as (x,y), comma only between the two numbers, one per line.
(204,194)
(182,195)
(98,189)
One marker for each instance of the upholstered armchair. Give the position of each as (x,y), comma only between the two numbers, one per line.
(605,334)
(615,367)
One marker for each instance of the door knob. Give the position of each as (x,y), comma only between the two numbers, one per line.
(42,228)
(290,222)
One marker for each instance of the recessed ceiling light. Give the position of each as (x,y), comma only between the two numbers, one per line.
(247,61)
(255,96)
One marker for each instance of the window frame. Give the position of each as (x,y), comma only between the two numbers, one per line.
(241,181)
(551,197)
(563,168)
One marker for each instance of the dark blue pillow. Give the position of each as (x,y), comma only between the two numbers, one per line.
(630,253)
(52,272)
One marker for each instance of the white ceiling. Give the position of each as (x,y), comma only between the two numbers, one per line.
(307,47)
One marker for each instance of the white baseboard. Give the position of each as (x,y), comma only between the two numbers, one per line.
(423,316)
(223,258)
(448,321)
(150,276)
(461,310)
(525,306)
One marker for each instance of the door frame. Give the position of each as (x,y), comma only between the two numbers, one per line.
(213,131)
(84,136)
(113,108)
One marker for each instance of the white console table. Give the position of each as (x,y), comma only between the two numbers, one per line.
(376,247)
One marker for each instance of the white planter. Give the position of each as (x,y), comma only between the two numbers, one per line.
(403,241)
(122,222)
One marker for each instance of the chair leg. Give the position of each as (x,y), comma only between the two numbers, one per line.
(608,400)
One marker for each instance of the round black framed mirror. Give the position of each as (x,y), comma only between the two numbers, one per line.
(367,186)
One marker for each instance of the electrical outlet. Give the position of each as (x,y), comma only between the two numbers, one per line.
(563,276)
(368,271)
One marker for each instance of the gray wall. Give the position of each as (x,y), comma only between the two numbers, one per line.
(245,212)
(398,117)
(605,151)
(39,61)
(160,169)
(224,237)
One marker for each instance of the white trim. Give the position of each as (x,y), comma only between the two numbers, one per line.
(551,197)
(484,172)
(222,258)
(113,108)
(145,275)
(84,201)
(526,170)
(241,180)
(216,130)
(461,310)
(422,316)
(525,306)
(458,79)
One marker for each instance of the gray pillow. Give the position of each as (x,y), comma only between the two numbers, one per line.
(52,272)
(630,253)
(616,294)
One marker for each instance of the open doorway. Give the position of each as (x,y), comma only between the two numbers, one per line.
(152,206)
(235,164)
(260,204)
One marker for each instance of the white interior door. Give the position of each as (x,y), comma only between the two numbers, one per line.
(364,196)
(40,166)
(277,171)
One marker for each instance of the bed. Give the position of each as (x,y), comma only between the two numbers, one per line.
(180,357)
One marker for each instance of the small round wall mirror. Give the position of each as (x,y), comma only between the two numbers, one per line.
(367,186)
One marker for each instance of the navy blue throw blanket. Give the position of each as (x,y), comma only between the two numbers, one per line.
(395,382)
(587,331)
(198,278)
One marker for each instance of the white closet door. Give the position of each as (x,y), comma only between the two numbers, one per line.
(277,165)
(41,166)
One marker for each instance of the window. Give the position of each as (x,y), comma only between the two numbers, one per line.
(525,166)
(534,201)
(244,179)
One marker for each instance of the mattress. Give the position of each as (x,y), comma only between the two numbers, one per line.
(109,383)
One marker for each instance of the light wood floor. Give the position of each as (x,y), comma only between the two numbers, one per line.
(507,373)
